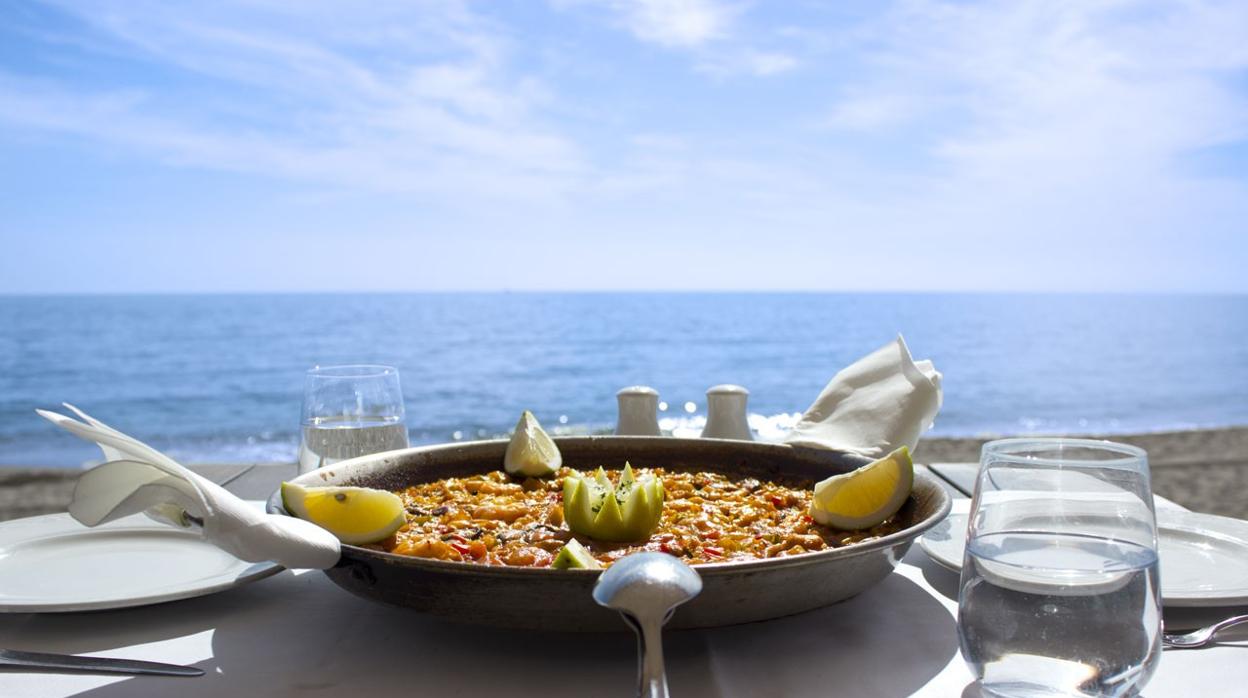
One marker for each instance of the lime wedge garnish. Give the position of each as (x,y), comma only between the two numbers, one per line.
(575,556)
(867,496)
(531,452)
(356,515)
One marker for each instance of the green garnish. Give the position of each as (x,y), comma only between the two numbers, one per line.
(627,512)
(575,556)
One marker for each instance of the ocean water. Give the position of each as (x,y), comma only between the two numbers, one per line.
(219,377)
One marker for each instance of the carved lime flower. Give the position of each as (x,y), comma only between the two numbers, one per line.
(627,512)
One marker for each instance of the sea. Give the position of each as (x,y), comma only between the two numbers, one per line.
(219,378)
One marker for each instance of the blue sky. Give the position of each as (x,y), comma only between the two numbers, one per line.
(580,144)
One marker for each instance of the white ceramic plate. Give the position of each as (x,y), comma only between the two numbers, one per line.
(1204,558)
(51,564)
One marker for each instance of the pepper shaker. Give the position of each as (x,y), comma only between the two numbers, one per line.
(725,413)
(639,411)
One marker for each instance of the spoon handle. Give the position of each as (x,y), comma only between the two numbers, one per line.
(651,675)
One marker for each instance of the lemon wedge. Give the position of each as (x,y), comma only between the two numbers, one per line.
(357,515)
(866,496)
(532,452)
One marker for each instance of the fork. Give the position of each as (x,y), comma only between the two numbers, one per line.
(1202,637)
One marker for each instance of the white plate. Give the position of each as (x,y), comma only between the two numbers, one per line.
(55,564)
(1204,558)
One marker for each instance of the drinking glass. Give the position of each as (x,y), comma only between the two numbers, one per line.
(1059,593)
(350,411)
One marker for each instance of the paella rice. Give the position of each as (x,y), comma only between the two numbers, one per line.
(708,517)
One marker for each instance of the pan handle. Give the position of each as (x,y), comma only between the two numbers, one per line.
(361,573)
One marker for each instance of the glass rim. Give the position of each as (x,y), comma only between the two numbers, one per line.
(1131,455)
(352,371)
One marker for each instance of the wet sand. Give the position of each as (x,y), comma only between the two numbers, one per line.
(1205,470)
(32,491)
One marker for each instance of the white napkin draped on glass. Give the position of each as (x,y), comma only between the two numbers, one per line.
(138,478)
(881,402)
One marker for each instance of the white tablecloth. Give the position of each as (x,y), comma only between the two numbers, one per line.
(298,634)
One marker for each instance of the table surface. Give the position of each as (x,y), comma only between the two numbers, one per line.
(298,634)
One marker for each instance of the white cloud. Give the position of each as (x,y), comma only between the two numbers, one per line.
(1053,132)
(707,29)
(769,62)
(731,61)
(400,99)
(1024,145)
(675,23)
(988,145)
(1058,90)
(871,112)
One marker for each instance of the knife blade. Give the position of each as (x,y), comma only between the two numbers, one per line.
(110,665)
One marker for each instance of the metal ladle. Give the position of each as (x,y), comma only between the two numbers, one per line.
(645,588)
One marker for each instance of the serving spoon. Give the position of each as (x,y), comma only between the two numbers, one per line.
(1202,637)
(645,588)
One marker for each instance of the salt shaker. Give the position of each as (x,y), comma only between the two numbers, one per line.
(725,413)
(639,411)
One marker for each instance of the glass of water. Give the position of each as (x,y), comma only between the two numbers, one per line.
(350,411)
(1059,593)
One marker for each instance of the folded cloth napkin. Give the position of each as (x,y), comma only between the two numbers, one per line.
(883,401)
(138,478)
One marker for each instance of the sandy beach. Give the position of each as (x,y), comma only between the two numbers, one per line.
(1205,470)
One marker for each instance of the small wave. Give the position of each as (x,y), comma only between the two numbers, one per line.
(247,450)
(259,449)
(766,427)
(279,447)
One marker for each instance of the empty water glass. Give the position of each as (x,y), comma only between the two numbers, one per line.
(1059,593)
(350,411)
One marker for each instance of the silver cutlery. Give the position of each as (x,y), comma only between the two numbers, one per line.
(645,588)
(1202,637)
(109,665)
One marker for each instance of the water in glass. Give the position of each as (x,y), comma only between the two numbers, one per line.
(1045,615)
(350,411)
(327,441)
(1059,593)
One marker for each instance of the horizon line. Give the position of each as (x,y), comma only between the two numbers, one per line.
(623,291)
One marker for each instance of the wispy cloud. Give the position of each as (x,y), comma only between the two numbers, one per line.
(404,101)
(909,133)
(1077,87)
(732,61)
(712,32)
(675,23)
(1045,128)
(873,111)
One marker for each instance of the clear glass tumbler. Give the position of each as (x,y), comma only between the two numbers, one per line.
(350,411)
(1059,593)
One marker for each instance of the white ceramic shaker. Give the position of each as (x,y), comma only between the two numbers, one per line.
(639,411)
(725,413)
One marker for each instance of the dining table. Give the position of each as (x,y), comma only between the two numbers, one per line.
(297,634)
